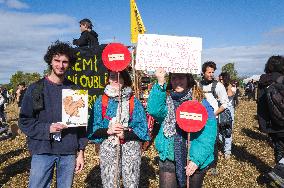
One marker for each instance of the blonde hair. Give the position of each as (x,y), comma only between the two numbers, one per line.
(197,93)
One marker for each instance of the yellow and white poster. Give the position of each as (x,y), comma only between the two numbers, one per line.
(74,107)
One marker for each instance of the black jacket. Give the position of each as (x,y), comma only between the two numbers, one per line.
(87,39)
(36,125)
(264,119)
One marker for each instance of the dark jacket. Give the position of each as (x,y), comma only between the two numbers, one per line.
(21,97)
(36,125)
(264,120)
(87,39)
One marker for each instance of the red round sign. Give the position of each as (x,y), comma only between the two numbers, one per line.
(191,116)
(116,57)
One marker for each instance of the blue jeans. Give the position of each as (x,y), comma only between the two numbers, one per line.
(227,141)
(42,167)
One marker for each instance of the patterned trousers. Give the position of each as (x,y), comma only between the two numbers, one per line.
(128,166)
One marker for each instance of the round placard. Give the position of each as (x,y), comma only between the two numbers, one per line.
(116,57)
(191,116)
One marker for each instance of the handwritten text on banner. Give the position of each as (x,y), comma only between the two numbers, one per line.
(173,53)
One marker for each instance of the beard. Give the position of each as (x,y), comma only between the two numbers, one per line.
(59,73)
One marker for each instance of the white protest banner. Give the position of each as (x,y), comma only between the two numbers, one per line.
(75,107)
(176,54)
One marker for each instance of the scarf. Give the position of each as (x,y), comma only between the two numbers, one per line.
(122,110)
(180,137)
(172,102)
(206,82)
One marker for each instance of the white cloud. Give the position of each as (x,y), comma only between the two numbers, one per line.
(16,4)
(25,38)
(248,60)
(276,31)
(274,36)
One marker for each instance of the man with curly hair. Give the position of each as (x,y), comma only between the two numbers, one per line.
(215,93)
(50,142)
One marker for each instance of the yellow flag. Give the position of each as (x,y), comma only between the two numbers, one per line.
(136,23)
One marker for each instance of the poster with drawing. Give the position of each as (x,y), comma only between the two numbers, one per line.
(176,54)
(74,107)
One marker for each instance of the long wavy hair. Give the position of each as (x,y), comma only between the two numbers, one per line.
(226,79)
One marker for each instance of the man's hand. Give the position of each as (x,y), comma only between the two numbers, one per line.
(79,162)
(220,110)
(115,128)
(190,168)
(57,127)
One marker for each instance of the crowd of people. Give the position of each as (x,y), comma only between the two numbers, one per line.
(9,97)
(251,90)
(120,123)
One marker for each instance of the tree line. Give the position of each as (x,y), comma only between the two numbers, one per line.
(29,78)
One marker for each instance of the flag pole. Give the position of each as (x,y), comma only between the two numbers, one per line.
(135,83)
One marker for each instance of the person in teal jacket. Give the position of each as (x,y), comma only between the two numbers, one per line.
(115,127)
(171,140)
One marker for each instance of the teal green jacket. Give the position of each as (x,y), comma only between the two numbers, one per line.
(138,122)
(201,143)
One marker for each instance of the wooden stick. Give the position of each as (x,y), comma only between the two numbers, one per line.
(188,155)
(119,98)
(117,170)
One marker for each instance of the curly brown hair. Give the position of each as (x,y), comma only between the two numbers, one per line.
(60,48)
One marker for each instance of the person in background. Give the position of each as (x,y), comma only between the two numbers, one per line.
(250,90)
(226,133)
(50,142)
(215,93)
(21,89)
(234,87)
(274,70)
(2,103)
(171,140)
(123,126)
(254,92)
(88,38)
(237,93)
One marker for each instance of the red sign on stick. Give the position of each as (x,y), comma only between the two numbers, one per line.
(116,57)
(191,116)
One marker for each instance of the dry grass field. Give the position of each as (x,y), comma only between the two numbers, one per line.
(252,158)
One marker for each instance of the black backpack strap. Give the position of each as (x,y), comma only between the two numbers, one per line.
(37,96)
(71,84)
(213,89)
